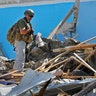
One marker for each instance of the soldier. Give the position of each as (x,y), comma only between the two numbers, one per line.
(24,35)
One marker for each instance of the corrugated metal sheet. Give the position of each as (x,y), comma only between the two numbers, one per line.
(66,85)
(30,80)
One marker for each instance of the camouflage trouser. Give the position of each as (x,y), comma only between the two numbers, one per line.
(20,55)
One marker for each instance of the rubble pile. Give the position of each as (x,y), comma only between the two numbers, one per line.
(72,60)
(72,57)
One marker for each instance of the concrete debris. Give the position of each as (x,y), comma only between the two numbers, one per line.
(53,67)
(74,61)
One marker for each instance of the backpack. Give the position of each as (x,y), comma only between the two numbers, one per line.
(11,34)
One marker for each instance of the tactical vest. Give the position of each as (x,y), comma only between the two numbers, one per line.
(14,33)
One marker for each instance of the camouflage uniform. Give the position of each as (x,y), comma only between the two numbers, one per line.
(20,43)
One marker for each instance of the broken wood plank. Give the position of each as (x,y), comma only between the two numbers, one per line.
(86,41)
(52,60)
(86,59)
(61,23)
(73,9)
(9,73)
(84,63)
(57,73)
(76,47)
(65,60)
(18,74)
(77,4)
(56,64)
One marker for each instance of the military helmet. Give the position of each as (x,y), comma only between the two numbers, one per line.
(29,12)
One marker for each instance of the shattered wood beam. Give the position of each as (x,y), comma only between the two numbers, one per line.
(52,60)
(77,60)
(88,40)
(9,73)
(72,57)
(65,60)
(76,47)
(53,32)
(44,64)
(77,3)
(81,63)
(46,69)
(87,58)
(61,23)
(67,16)
(18,74)
(74,9)
(84,63)
(69,49)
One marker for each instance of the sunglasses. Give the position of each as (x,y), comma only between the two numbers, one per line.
(30,16)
